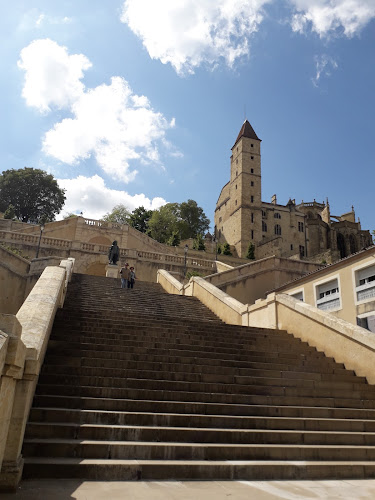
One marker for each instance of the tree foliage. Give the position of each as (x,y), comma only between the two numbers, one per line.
(187,219)
(226,249)
(139,219)
(251,251)
(164,222)
(34,194)
(198,243)
(120,214)
(193,220)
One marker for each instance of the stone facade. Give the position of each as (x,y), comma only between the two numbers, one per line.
(291,230)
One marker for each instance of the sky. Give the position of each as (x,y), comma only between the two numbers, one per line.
(140,101)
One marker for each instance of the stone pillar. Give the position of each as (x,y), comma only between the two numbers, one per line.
(111,271)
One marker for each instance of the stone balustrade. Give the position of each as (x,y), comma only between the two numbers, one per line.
(23,343)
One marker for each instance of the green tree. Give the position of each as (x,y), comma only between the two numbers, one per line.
(251,252)
(139,219)
(164,222)
(34,194)
(192,220)
(175,239)
(120,215)
(226,249)
(10,213)
(70,216)
(198,243)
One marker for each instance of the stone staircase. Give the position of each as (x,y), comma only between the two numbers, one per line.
(139,384)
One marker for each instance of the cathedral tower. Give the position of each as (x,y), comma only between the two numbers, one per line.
(238,214)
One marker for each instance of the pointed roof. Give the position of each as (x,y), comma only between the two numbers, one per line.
(247,131)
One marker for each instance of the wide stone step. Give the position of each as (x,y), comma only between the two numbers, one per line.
(261,377)
(167,395)
(301,362)
(123,470)
(80,416)
(241,386)
(97,432)
(251,369)
(196,372)
(177,351)
(182,407)
(163,344)
(134,450)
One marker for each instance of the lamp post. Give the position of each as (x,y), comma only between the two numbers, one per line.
(186,248)
(40,239)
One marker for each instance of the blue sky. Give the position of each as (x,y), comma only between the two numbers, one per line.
(139,102)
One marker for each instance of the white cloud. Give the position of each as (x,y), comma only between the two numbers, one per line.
(326,16)
(52,76)
(188,33)
(324,66)
(108,122)
(91,196)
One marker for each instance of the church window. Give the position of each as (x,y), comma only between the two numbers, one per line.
(252,170)
(252,217)
(278,229)
(252,183)
(264,213)
(252,199)
(300,227)
(302,251)
(264,226)
(277,215)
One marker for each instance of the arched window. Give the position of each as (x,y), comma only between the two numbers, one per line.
(341,245)
(352,244)
(264,226)
(278,229)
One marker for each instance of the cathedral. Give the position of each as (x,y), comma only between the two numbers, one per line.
(300,231)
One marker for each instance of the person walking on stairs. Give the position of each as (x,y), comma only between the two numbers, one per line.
(125,276)
(131,280)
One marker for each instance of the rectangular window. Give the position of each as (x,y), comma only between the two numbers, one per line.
(252,145)
(252,170)
(291,247)
(298,295)
(252,157)
(252,199)
(300,227)
(252,217)
(252,234)
(365,283)
(328,296)
(252,183)
(367,322)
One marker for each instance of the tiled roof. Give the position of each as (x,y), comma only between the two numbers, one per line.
(247,131)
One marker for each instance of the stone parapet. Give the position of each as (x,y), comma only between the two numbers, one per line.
(23,343)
